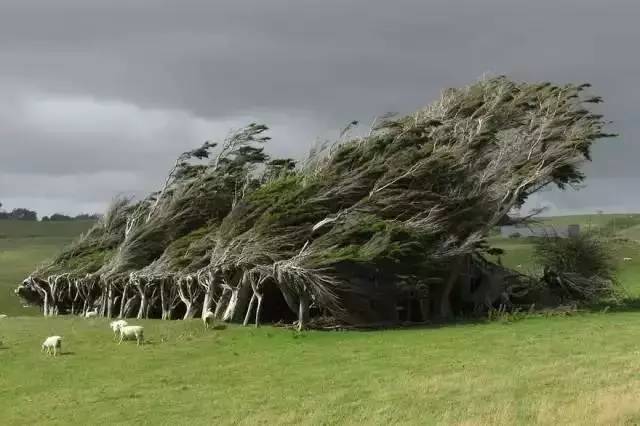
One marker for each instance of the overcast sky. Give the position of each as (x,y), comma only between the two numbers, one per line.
(98,97)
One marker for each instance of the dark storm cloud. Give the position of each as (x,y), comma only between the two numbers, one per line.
(93,88)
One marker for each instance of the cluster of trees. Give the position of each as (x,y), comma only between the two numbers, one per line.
(381,228)
(58,217)
(18,214)
(26,214)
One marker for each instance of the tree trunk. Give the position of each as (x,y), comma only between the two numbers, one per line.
(110,301)
(190,312)
(208,298)
(143,305)
(164,301)
(123,303)
(258,310)
(303,311)
(231,306)
(222,303)
(208,282)
(445,311)
(46,304)
(128,307)
(247,317)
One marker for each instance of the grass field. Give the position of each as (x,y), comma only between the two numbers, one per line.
(570,370)
(23,246)
(582,369)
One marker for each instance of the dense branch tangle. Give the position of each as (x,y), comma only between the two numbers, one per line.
(364,230)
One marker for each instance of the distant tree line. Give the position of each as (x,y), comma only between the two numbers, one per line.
(57,217)
(26,214)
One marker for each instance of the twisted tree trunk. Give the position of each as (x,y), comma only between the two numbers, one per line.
(303,311)
(207,281)
(142,291)
(110,300)
(189,292)
(222,302)
(247,316)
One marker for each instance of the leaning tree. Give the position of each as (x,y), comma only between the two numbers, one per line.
(376,228)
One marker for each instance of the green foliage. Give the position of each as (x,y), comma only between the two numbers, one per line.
(585,254)
(417,194)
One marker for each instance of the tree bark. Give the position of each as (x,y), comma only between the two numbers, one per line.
(303,311)
(207,281)
(222,303)
(110,300)
(231,306)
(164,300)
(188,291)
(258,310)
(128,306)
(122,303)
(142,290)
(190,312)
(247,317)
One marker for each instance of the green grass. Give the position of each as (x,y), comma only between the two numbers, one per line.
(23,246)
(578,370)
(571,370)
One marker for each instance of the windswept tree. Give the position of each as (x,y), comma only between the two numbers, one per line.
(376,228)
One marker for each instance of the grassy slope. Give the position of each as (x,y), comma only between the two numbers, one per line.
(548,371)
(24,245)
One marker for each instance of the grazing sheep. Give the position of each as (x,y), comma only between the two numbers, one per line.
(208,318)
(626,259)
(52,343)
(2,316)
(131,331)
(115,326)
(91,314)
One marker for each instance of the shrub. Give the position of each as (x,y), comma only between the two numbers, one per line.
(579,267)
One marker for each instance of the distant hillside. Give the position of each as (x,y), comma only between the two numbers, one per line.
(25,244)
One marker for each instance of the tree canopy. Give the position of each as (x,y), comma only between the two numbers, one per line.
(363,229)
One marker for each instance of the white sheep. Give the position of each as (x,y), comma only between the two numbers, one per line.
(91,314)
(626,259)
(3,316)
(131,331)
(115,326)
(52,343)
(207,318)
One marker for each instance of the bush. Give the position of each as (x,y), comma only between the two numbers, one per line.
(515,235)
(578,268)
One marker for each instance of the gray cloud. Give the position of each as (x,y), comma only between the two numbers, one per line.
(106,93)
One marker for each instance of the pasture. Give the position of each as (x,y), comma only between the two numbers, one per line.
(23,246)
(579,369)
